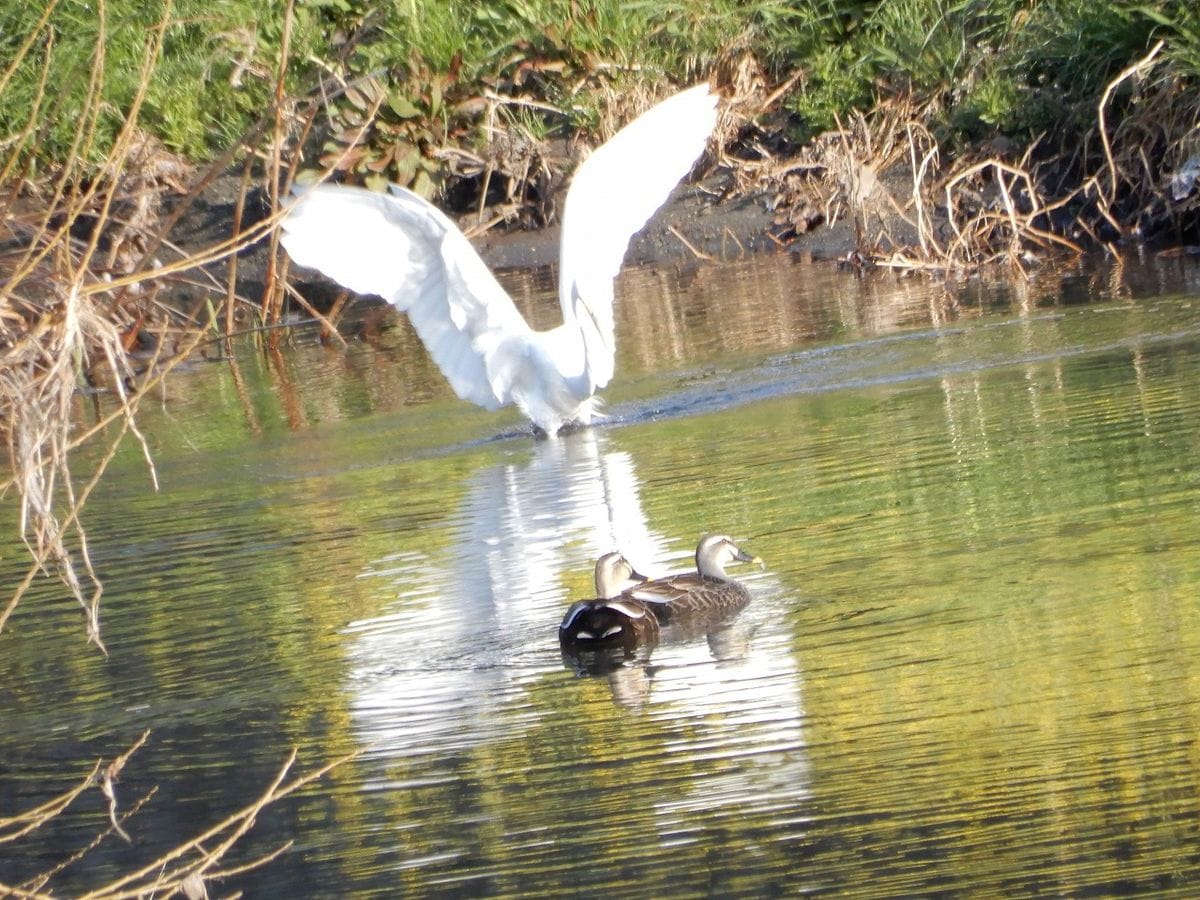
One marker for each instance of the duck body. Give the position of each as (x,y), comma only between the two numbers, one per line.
(611,619)
(632,608)
(600,623)
(692,593)
(708,590)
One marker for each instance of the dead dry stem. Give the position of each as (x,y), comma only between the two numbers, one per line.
(84,256)
(956,214)
(186,869)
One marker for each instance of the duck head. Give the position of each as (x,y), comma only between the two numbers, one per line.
(614,574)
(716,551)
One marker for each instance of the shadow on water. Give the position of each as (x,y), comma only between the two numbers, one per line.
(969,667)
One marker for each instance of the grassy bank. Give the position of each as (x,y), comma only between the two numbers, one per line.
(976,70)
(471,101)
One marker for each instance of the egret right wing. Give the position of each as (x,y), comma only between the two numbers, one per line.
(405,250)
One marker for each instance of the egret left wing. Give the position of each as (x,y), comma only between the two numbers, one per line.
(613,194)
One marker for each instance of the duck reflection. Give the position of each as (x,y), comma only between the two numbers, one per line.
(475,618)
(457,682)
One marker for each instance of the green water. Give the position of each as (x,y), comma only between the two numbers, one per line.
(969,667)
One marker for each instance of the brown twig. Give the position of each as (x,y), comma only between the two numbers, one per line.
(696,251)
(169,871)
(1108,198)
(185,868)
(18,826)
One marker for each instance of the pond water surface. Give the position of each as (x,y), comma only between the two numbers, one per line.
(971,664)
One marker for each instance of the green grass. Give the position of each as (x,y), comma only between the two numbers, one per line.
(190,103)
(1012,66)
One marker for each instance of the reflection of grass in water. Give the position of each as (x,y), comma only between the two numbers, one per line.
(749,462)
(1007,591)
(992,574)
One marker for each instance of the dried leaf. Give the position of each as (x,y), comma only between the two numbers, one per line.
(342,160)
(349,136)
(406,160)
(381,162)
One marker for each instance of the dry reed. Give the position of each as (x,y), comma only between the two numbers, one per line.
(85,264)
(185,869)
(914,206)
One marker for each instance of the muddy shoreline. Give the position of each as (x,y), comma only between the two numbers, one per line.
(705,219)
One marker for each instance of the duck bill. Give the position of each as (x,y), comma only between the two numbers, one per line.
(743,556)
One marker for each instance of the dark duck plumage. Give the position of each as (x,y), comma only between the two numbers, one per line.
(611,619)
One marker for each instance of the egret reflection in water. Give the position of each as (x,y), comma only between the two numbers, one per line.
(458,684)
(473,620)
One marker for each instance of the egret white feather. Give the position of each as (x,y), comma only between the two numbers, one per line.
(404,249)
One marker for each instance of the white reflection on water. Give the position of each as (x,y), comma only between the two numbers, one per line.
(734,699)
(474,619)
(474,629)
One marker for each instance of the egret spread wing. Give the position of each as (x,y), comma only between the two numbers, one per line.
(613,194)
(405,250)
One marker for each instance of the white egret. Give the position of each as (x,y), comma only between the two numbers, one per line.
(405,250)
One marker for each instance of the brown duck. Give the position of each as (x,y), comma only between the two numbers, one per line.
(707,590)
